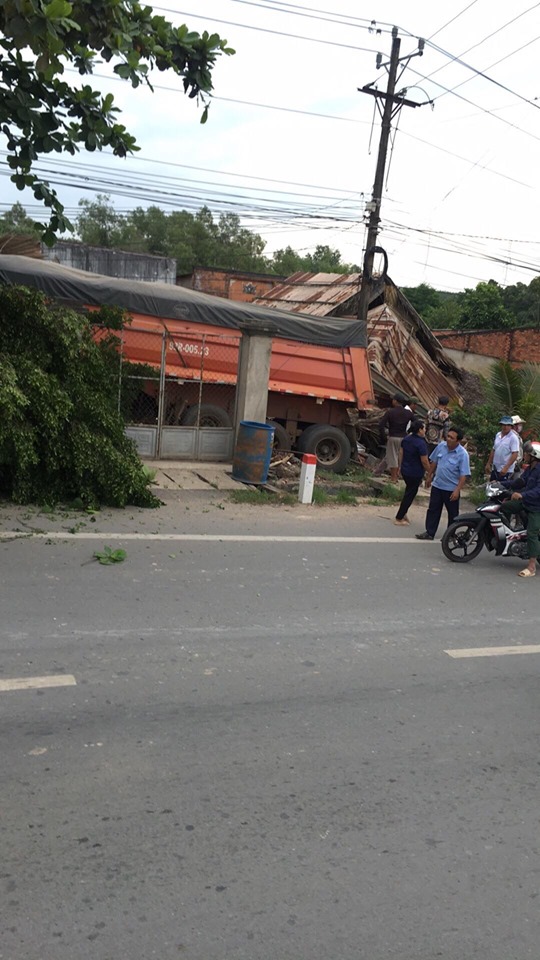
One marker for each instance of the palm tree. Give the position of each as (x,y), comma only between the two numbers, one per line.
(516,390)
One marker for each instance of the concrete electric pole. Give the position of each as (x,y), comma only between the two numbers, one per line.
(392,105)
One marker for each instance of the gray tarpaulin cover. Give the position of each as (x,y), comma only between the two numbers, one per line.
(170,302)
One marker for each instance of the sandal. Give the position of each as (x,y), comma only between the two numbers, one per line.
(527,573)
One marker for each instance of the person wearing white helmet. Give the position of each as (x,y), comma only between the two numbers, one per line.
(517,427)
(525,500)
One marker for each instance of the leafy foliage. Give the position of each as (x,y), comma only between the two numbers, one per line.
(108,556)
(41,112)
(483,308)
(479,425)
(487,307)
(507,391)
(192,239)
(196,240)
(17,221)
(323,260)
(61,436)
(516,391)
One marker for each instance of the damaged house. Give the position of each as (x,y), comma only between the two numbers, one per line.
(404,354)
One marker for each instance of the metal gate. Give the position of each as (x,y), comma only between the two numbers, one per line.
(177,393)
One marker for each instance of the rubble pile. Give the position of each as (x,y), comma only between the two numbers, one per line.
(284,468)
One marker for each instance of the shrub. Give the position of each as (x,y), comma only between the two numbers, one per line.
(61,436)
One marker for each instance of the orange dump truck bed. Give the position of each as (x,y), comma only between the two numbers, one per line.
(319,368)
(304,369)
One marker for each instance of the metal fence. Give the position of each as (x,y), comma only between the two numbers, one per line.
(177,392)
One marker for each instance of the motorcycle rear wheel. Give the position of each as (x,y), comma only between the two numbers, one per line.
(462,541)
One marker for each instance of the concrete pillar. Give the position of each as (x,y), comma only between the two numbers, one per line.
(253,373)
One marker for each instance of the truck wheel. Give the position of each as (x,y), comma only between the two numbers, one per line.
(282,440)
(329,444)
(207,415)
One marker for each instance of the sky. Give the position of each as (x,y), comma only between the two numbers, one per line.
(291,144)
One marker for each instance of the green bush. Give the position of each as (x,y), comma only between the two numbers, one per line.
(479,426)
(61,436)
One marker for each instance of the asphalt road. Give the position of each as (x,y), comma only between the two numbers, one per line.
(267,753)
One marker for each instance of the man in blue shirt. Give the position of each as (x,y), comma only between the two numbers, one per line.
(449,462)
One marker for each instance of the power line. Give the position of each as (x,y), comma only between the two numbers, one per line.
(457,16)
(276,33)
(495,64)
(353,47)
(364,24)
(483,40)
(485,110)
(481,73)
(309,113)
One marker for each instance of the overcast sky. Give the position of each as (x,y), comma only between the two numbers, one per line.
(291,145)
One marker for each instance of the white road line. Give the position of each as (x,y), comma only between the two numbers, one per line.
(493,651)
(37,683)
(201,537)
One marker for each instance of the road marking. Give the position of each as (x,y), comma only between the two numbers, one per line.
(493,651)
(201,537)
(37,683)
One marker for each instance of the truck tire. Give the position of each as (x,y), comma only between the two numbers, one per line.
(207,415)
(329,444)
(282,440)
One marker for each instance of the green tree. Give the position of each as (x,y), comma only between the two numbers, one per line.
(324,259)
(41,112)
(98,224)
(423,298)
(523,302)
(285,262)
(446,316)
(192,239)
(17,221)
(483,308)
(61,436)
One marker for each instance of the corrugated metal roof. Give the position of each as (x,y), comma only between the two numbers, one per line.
(319,294)
(396,354)
(402,350)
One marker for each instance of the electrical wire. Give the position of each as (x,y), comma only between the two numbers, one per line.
(276,33)
(483,40)
(457,16)
(495,64)
(309,113)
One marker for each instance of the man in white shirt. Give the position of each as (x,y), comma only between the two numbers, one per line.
(502,459)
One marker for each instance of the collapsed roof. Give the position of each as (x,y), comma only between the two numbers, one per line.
(404,353)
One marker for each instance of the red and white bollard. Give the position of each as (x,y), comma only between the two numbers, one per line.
(307,478)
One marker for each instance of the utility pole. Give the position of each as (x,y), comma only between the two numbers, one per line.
(392,105)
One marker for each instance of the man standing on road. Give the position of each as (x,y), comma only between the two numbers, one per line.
(396,419)
(502,459)
(449,462)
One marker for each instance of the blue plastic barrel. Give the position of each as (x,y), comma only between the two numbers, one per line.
(252,453)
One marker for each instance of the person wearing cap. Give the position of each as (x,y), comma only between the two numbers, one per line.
(396,420)
(504,453)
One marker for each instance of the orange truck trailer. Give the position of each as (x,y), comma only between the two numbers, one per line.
(319,380)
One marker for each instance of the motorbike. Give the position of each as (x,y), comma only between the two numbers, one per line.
(504,535)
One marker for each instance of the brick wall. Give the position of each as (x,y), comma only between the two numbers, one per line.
(231,285)
(516,346)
